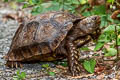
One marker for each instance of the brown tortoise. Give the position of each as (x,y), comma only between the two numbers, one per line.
(52,36)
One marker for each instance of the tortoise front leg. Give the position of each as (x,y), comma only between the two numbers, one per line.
(73,59)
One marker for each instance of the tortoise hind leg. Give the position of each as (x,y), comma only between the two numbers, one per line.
(73,59)
(14,64)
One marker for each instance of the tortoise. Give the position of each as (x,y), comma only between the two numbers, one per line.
(52,36)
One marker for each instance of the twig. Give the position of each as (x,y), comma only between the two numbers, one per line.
(117,3)
(116,32)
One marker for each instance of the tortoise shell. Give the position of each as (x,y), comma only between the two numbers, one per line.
(40,36)
(52,36)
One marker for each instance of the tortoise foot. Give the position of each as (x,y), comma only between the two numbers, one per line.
(12,64)
(75,71)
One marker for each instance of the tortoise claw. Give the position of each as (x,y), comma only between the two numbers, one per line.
(20,65)
(16,65)
(12,64)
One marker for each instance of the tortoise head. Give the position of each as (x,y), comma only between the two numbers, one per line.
(90,24)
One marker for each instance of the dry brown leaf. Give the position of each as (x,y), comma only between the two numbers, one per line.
(20,16)
(61,67)
(99,69)
(100,77)
(96,2)
(76,77)
(13,17)
(115,14)
(107,46)
(91,48)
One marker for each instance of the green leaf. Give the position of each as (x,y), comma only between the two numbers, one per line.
(19,76)
(51,73)
(110,28)
(104,21)
(36,1)
(23,75)
(87,13)
(109,17)
(89,65)
(25,6)
(5,0)
(20,0)
(15,78)
(92,63)
(98,46)
(111,1)
(37,10)
(30,2)
(72,9)
(53,7)
(83,1)
(118,15)
(84,8)
(64,64)
(111,6)
(84,48)
(111,52)
(18,72)
(99,10)
(106,37)
(76,2)
(13,5)
(45,65)
(118,40)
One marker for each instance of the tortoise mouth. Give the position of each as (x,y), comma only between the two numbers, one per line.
(95,35)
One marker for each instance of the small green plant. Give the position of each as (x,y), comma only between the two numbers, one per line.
(41,6)
(89,65)
(62,63)
(84,48)
(65,64)
(19,76)
(111,52)
(46,66)
(109,36)
(53,5)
